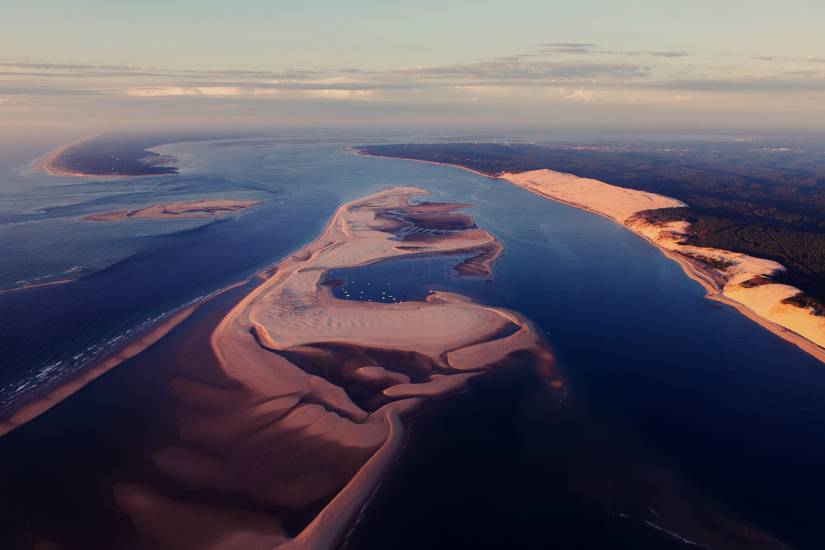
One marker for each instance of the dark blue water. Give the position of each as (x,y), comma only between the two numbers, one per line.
(728,406)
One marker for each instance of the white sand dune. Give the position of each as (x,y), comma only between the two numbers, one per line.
(616,203)
(722,272)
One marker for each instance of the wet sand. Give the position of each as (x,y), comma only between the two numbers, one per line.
(207,208)
(40,402)
(275,414)
(62,468)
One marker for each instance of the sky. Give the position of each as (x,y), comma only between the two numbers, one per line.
(660,65)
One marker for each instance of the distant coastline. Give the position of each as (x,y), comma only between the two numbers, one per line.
(762,303)
(107,156)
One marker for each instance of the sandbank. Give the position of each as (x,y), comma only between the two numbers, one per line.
(205,208)
(307,400)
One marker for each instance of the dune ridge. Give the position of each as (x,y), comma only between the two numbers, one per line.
(732,278)
(303,406)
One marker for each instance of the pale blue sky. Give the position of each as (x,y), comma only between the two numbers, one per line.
(131,59)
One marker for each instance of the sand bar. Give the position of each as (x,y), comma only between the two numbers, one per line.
(205,208)
(307,400)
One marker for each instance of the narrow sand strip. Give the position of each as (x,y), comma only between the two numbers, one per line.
(205,208)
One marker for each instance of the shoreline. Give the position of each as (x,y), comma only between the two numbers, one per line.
(362,153)
(46,163)
(691,268)
(40,402)
(712,293)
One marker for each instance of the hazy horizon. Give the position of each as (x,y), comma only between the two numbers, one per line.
(528,65)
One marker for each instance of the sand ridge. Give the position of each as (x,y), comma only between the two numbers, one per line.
(196,209)
(306,400)
(725,275)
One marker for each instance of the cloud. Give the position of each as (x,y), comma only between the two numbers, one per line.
(61,66)
(809,59)
(204,91)
(568,47)
(342,94)
(556,71)
(105,71)
(36,90)
(249,91)
(743,84)
(507,69)
(581,96)
(584,48)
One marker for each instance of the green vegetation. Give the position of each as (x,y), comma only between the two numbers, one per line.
(715,263)
(757,281)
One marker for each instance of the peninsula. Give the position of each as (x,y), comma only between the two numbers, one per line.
(107,155)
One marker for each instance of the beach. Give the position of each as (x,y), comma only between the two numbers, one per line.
(50,163)
(105,156)
(734,279)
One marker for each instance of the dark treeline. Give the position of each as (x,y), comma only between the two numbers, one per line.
(117,156)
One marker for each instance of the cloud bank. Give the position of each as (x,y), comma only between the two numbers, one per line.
(549,76)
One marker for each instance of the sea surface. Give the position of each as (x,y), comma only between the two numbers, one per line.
(677,412)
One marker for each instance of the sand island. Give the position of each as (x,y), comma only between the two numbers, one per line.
(206,208)
(301,404)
